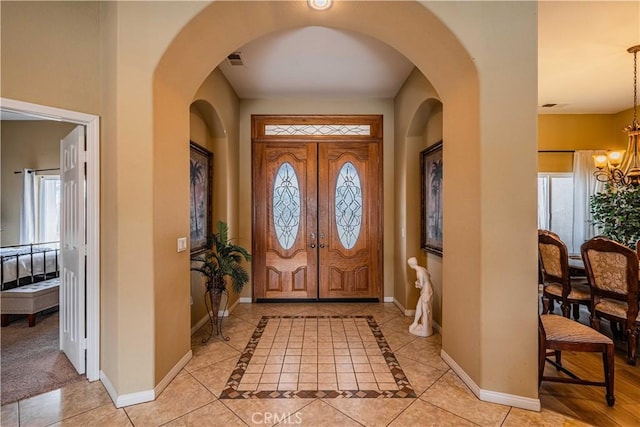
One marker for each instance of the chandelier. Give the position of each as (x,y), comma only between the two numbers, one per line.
(614,167)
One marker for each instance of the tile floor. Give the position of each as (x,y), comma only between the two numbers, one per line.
(317,356)
(301,349)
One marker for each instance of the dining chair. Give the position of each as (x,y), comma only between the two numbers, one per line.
(557,283)
(557,334)
(612,270)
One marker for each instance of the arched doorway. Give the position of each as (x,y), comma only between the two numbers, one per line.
(439,54)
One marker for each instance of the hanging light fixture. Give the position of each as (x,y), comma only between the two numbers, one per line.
(615,167)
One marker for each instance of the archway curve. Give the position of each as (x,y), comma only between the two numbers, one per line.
(210,116)
(421,116)
(410,28)
(422,130)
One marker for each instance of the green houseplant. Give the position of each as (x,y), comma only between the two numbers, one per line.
(221,261)
(616,211)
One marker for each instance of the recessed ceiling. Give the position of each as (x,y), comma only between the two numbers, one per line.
(317,62)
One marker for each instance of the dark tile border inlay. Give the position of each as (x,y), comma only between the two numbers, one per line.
(231,389)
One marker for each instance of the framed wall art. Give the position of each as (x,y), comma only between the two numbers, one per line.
(201,173)
(431,214)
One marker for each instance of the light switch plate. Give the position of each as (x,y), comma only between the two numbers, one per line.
(182,244)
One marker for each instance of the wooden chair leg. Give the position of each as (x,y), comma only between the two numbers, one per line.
(595,323)
(558,357)
(5,320)
(632,345)
(565,309)
(617,330)
(32,320)
(542,353)
(576,312)
(545,305)
(608,361)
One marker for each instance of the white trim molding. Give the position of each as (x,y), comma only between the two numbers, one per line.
(489,395)
(205,318)
(164,382)
(388,299)
(245,300)
(126,399)
(91,123)
(147,395)
(403,309)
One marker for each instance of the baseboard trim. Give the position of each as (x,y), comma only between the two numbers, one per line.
(147,395)
(510,400)
(403,309)
(164,382)
(245,300)
(199,324)
(437,328)
(125,399)
(232,307)
(489,395)
(205,319)
(475,389)
(388,299)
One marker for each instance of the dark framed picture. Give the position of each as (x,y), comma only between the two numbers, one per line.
(431,214)
(201,176)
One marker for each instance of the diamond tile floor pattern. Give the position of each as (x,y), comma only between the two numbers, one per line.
(336,364)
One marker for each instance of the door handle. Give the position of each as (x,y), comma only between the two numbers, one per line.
(313,245)
(322,245)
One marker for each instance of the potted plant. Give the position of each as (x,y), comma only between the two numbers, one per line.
(221,261)
(616,211)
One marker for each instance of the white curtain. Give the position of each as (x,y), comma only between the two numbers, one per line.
(584,186)
(543,203)
(49,208)
(27,208)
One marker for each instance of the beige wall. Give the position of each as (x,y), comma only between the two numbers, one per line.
(489,270)
(324,106)
(579,132)
(50,53)
(25,144)
(155,56)
(214,125)
(418,114)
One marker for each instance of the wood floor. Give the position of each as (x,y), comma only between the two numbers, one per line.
(587,403)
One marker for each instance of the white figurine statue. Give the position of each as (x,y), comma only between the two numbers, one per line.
(422,325)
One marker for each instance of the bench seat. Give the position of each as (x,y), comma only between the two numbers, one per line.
(29,299)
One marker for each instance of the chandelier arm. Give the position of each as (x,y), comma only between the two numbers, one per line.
(626,171)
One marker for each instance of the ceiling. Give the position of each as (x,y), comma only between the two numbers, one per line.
(583,63)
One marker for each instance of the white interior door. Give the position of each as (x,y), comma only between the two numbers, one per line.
(73,248)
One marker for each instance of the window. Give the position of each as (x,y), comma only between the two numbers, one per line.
(555,206)
(48,208)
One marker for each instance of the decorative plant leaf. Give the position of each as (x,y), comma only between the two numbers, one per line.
(616,211)
(223,259)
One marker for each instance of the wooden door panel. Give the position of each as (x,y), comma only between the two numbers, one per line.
(285,264)
(349,231)
(336,250)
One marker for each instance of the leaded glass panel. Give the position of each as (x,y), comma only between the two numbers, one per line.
(348,205)
(317,130)
(286,205)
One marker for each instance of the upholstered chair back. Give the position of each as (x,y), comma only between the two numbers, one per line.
(553,257)
(612,268)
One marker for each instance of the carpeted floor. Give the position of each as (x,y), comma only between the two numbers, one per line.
(30,360)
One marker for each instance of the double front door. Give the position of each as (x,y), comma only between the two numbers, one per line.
(317,207)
